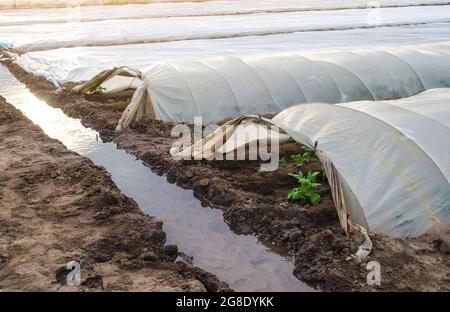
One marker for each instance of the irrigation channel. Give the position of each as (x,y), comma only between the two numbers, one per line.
(240,260)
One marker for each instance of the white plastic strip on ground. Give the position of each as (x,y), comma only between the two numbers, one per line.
(82,63)
(393,157)
(51,36)
(72,13)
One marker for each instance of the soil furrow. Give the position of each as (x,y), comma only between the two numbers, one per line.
(257,204)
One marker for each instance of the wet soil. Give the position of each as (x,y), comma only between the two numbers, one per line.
(57,207)
(256,203)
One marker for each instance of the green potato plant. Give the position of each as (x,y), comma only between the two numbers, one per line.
(307,157)
(305,190)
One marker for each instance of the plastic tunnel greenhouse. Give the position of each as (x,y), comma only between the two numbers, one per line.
(383,140)
(391,159)
(228,87)
(387,162)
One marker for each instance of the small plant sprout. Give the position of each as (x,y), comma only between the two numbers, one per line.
(262,172)
(304,192)
(100,90)
(307,157)
(283,162)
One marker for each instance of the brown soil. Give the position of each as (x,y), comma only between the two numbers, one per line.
(257,204)
(57,207)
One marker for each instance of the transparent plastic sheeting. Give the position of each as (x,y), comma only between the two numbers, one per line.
(392,157)
(229,87)
(70,11)
(82,63)
(46,36)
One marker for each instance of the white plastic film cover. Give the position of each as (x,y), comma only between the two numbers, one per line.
(231,86)
(30,4)
(46,36)
(82,63)
(392,157)
(164,8)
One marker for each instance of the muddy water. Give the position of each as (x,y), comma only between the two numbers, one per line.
(241,261)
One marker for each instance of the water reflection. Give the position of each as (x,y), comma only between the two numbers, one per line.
(241,261)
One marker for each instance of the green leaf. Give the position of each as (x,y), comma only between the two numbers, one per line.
(306,184)
(298,159)
(299,176)
(294,195)
(100,90)
(315,198)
